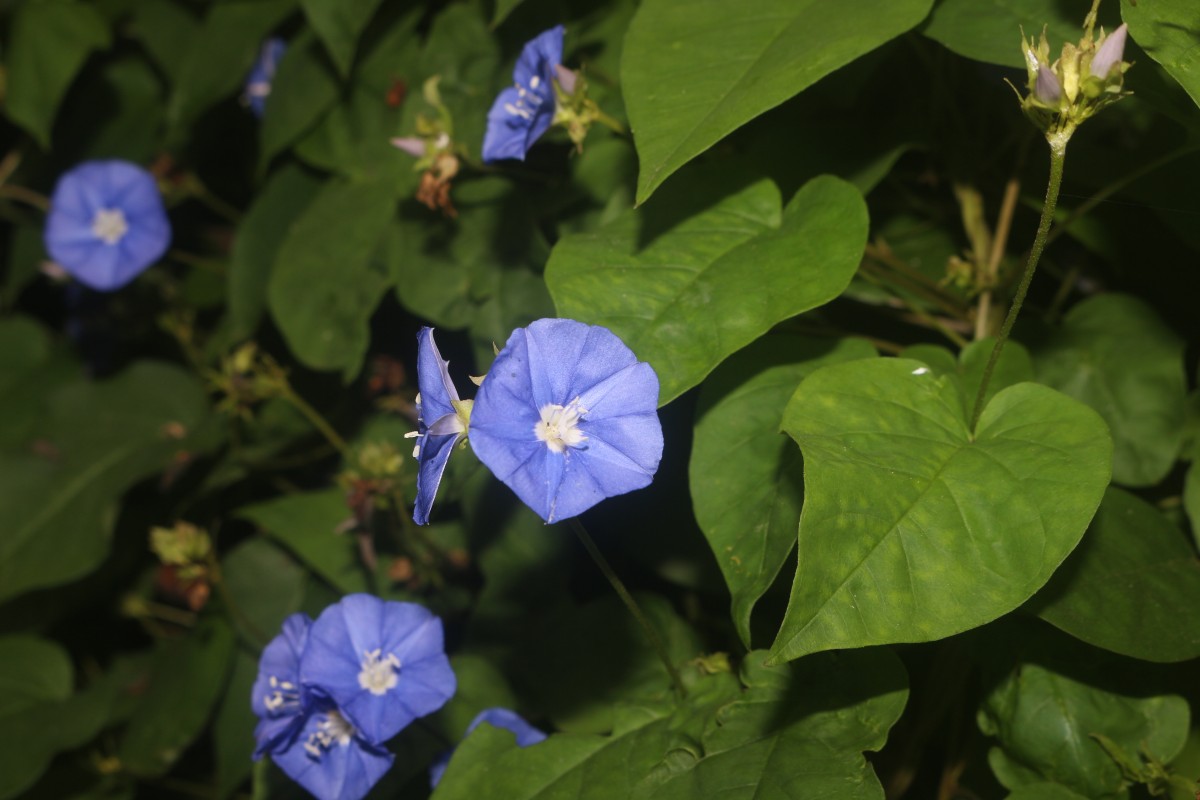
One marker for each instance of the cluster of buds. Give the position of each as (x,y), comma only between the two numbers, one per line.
(435,150)
(245,378)
(186,555)
(374,479)
(1084,79)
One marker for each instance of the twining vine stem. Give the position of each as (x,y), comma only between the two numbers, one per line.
(1058,155)
(651,633)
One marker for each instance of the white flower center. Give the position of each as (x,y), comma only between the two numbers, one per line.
(332,729)
(379,672)
(559,426)
(283,698)
(109,225)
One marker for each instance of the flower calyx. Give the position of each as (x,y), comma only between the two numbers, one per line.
(1085,78)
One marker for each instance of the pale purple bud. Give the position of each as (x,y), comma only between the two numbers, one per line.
(412,145)
(566,78)
(1110,52)
(1047,89)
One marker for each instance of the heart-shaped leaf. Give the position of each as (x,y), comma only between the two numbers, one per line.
(693,72)
(745,476)
(689,280)
(913,528)
(1166,30)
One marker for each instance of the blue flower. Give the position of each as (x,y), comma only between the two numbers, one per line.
(567,417)
(497,717)
(383,663)
(523,112)
(303,730)
(106,223)
(258,82)
(441,422)
(330,693)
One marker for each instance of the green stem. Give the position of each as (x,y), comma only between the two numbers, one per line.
(313,416)
(611,123)
(651,634)
(1058,155)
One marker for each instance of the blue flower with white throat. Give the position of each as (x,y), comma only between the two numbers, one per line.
(567,416)
(525,110)
(303,730)
(442,422)
(106,223)
(382,663)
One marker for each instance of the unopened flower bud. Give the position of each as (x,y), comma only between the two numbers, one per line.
(1110,52)
(1047,88)
(413,145)
(566,78)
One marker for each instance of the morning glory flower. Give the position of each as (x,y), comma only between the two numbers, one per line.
(523,112)
(106,223)
(303,730)
(497,717)
(441,422)
(258,82)
(567,416)
(382,663)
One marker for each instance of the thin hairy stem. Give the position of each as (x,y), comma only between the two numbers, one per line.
(655,640)
(1058,155)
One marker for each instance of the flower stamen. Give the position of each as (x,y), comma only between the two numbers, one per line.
(379,672)
(559,426)
(332,729)
(109,225)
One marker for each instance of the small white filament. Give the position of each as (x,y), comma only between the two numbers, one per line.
(109,225)
(559,426)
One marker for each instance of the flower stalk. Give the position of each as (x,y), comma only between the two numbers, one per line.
(1058,155)
(619,587)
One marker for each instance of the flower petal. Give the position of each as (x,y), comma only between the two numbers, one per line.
(279,664)
(340,772)
(431,465)
(361,628)
(438,394)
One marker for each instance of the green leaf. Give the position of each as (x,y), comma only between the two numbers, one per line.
(95,440)
(912,528)
(259,236)
(186,681)
(1043,721)
(503,9)
(693,72)
(1166,30)
(798,732)
(1015,366)
(32,671)
(1044,791)
(233,726)
(306,524)
(990,30)
(1191,499)
(746,477)
(325,283)
(581,766)
(466,55)
(50,41)
(339,23)
(1115,354)
(688,280)
(165,29)
(304,88)
(39,715)
(480,686)
(265,584)
(354,139)
(1131,586)
(219,57)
